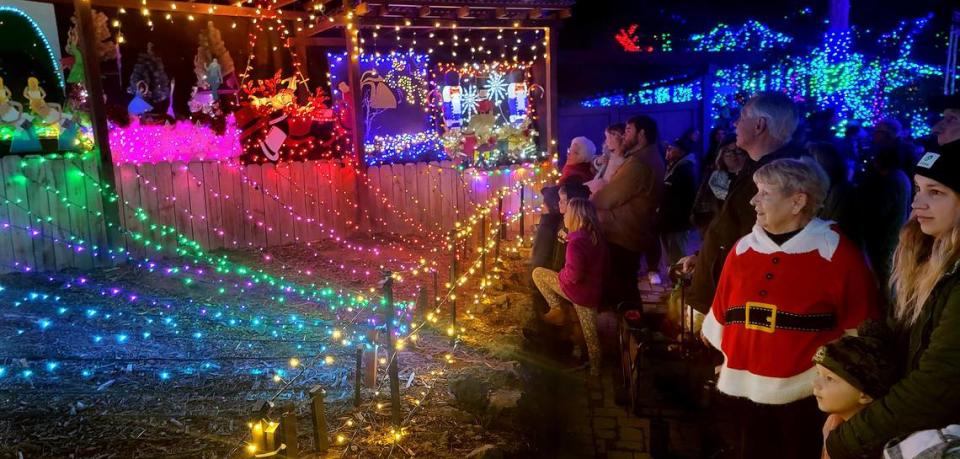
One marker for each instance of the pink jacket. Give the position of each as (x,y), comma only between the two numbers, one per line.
(581,278)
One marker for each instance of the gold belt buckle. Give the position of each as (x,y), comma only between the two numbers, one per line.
(771,319)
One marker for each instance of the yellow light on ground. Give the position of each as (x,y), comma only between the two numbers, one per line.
(251,448)
(340,439)
(328,360)
(294,362)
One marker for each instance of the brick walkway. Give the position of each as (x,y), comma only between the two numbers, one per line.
(596,426)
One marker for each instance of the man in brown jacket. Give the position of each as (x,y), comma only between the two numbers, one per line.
(627,207)
(764,130)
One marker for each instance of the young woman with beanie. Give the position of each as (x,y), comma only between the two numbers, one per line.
(925,319)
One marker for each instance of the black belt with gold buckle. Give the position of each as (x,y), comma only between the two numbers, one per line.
(767,318)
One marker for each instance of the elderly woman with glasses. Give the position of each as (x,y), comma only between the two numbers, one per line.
(790,286)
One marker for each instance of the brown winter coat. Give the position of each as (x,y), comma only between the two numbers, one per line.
(627,206)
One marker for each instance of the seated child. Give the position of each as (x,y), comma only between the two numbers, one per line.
(580,280)
(852,372)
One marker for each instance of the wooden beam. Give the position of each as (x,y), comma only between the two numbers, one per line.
(476,24)
(277,4)
(463,12)
(535,13)
(315,5)
(501,13)
(328,42)
(98,116)
(339,20)
(197,8)
(424,11)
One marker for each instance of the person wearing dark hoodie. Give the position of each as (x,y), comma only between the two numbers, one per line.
(680,190)
(764,130)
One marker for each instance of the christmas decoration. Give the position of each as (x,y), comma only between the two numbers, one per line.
(76,75)
(271,119)
(751,36)
(106,48)
(49,113)
(37,39)
(148,79)
(211,47)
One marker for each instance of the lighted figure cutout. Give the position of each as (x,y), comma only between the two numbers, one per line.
(48,113)
(380,96)
(139,105)
(214,78)
(628,40)
(200,101)
(452,106)
(11,112)
(76,75)
(496,86)
(409,82)
(469,101)
(517,102)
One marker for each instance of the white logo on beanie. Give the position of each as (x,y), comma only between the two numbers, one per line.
(928,159)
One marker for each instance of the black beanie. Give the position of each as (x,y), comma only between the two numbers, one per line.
(943,167)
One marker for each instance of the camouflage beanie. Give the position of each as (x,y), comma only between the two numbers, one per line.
(860,361)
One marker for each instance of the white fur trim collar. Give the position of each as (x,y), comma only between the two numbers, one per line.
(817,235)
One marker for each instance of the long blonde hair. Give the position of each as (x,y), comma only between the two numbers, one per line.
(582,215)
(918,264)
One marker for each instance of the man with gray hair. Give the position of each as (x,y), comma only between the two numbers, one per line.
(764,130)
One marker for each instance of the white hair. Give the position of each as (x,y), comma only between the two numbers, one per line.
(585,146)
(802,175)
(779,111)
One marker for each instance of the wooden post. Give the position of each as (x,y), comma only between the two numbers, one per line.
(393,368)
(357,378)
(370,361)
(436,288)
(503,222)
(421,314)
(550,88)
(483,246)
(321,438)
(288,431)
(98,115)
(358,132)
(522,214)
(453,295)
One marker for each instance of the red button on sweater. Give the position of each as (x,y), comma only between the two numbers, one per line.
(816,271)
(581,278)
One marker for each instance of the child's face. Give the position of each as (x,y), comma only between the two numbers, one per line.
(563,202)
(835,395)
(612,140)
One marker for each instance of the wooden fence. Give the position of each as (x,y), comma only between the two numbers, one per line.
(51,221)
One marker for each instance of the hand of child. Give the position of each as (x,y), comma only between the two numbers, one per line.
(688,263)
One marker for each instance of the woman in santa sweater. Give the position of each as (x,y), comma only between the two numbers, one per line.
(790,286)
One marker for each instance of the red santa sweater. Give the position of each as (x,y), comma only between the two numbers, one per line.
(797,297)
